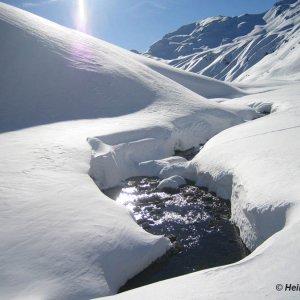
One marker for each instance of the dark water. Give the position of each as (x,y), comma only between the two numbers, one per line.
(196,221)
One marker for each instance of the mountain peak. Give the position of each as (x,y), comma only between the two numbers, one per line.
(204,34)
(285,2)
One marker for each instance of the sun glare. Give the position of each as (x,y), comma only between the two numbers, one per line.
(81,17)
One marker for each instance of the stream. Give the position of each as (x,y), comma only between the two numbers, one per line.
(196,221)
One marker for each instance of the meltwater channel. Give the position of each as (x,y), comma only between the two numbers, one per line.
(196,221)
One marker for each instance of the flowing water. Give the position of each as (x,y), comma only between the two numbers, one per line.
(196,221)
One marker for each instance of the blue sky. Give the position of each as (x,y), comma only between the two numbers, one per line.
(136,24)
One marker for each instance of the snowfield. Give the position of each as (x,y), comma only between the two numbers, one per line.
(74,107)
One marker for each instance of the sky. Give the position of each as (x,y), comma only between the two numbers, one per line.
(135,24)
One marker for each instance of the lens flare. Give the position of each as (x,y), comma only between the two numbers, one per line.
(81,16)
(80,49)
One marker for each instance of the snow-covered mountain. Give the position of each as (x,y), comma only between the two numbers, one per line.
(227,47)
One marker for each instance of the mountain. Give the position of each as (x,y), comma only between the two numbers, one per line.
(227,47)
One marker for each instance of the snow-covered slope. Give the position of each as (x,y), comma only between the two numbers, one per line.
(63,93)
(226,48)
(81,63)
(257,165)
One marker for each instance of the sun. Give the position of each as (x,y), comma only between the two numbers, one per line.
(81,16)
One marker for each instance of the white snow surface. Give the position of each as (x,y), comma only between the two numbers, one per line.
(252,47)
(173,182)
(74,106)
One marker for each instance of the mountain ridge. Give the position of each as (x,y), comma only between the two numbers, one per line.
(226,48)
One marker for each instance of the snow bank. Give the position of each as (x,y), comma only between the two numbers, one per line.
(122,160)
(119,162)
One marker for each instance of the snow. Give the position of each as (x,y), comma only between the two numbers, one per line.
(73,106)
(258,165)
(259,189)
(202,35)
(262,46)
(173,183)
